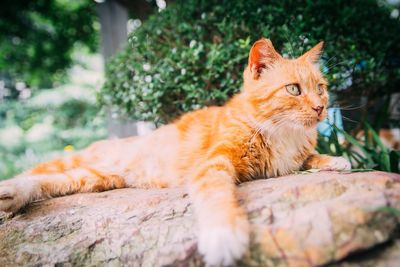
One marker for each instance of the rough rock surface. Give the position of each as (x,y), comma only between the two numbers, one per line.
(297,220)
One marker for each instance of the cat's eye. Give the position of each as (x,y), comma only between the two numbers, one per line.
(321,88)
(293,89)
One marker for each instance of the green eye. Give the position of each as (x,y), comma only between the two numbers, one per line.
(321,88)
(293,89)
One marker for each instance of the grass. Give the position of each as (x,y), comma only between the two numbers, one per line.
(367,152)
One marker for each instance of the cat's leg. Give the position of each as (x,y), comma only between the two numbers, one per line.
(325,162)
(223,224)
(19,191)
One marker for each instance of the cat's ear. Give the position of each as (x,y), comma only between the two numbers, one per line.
(262,56)
(314,54)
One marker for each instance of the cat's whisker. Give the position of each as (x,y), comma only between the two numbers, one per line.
(283,120)
(337,63)
(348,119)
(262,127)
(329,67)
(350,107)
(329,59)
(258,127)
(291,50)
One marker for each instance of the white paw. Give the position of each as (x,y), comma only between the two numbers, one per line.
(222,246)
(12,196)
(338,164)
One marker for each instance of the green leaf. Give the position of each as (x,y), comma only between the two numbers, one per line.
(391,210)
(307,171)
(394,161)
(384,162)
(376,138)
(354,142)
(358,158)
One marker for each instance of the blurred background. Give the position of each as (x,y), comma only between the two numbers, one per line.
(72,72)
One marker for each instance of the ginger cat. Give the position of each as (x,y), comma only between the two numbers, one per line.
(267,130)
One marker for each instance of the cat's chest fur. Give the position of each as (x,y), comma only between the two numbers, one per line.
(280,153)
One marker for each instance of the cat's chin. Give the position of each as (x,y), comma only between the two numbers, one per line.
(310,124)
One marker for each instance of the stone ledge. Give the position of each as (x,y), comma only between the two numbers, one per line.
(297,220)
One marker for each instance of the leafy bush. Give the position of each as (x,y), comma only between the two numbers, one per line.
(37,38)
(52,121)
(193,53)
(44,125)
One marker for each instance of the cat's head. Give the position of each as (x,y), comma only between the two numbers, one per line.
(286,90)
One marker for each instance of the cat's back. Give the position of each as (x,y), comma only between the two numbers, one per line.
(202,120)
(146,159)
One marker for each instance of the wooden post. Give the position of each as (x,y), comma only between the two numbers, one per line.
(113,21)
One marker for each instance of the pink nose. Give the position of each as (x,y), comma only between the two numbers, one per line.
(318,109)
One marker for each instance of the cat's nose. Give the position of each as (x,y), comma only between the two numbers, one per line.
(318,109)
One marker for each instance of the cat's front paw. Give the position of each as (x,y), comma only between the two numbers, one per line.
(12,198)
(338,164)
(223,245)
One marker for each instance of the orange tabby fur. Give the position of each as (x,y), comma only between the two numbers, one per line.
(261,132)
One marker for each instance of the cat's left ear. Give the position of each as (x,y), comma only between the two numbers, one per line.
(314,54)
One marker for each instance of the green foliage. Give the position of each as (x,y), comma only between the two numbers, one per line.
(365,152)
(43,126)
(38,37)
(193,53)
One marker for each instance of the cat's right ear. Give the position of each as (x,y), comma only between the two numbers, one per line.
(262,56)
